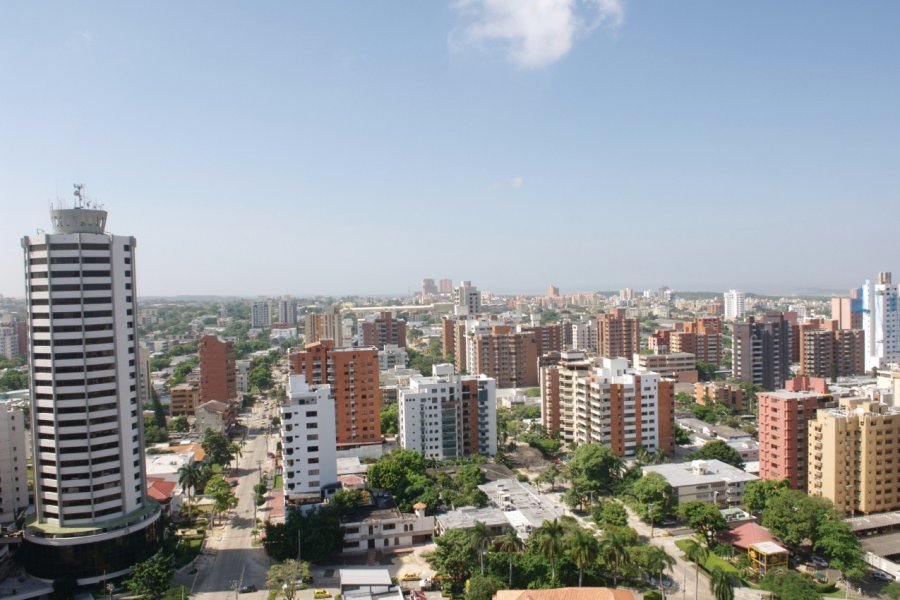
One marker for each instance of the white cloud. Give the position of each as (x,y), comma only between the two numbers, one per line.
(531,33)
(510,184)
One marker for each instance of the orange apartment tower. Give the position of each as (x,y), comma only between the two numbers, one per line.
(784,418)
(384,329)
(617,335)
(352,374)
(218,375)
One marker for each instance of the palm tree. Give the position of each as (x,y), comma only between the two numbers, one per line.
(510,543)
(614,552)
(658,560)
(549,541)
(189,476)
(481,535)
(697,553)
(722,583)
(583,550)
(235,453)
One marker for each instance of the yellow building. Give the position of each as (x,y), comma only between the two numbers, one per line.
(854,456)
(184,399)
(766,556)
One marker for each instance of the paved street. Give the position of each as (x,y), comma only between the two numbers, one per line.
(228,559)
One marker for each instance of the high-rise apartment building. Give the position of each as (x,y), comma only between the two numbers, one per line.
(144,383)
(218,377)
(324,326)
(9,341)
(429,288)
(848,311)
(308,452)
(353,376)
(447,416)
(734,305)
(260,315)
(761,352)
(680,366)
(702,338)
(783,426)
(446,286)
(558,389)
(584,336)
(382,329)
(854,456)
(284,310)
(13,470)
(467,299)
(624,408)
(881,321)
(93,519)
(826,351)
(548,337)
(617,335)
(507,356)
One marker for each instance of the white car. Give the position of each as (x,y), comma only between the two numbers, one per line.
(818,561)
(881,576)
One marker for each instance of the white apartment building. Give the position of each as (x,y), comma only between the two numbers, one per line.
(241,375)
(704,480)
(392,357)
(881,321)
(284,310)
(308,434)
(466,299)
(622,408)
(89,480)
(260,315)
(373,528)
(734,305)
(447,415)
(584,335)
(9,342)
(13,476)
(144,374)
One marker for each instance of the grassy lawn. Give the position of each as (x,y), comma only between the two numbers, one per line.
(279,482)
(712,560)
(186,551)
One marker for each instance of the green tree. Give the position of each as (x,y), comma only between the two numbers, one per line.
(548,540)
(652,559)
(218,449)
(789,585)
(892,590)
(286,579)
(758,493)
(594,468)
(260,377)
(614,550)
(511,545)
(480,587)
(835,539)
(221,493)
(793,517)
(722,583)
(656,497)
(180,424)
(549,476)
(189,476)
(453,556)
(481,535)
(704,518)
(390,419)
(150,578)
(583,550)
(696,553)
(719,450)
(609,513)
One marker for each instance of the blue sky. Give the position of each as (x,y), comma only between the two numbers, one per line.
(344,147)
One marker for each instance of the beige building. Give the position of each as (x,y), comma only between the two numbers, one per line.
(854,456)
(13,476)
(679,365)
(324,326)
(184,399)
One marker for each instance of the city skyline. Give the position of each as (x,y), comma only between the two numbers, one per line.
(478,140)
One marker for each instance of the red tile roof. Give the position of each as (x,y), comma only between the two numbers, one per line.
(159,489)
(748,534)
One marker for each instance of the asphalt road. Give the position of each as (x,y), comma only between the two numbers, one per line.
(229,560)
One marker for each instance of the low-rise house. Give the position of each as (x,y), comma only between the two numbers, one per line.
(382,525)
(704,480)
(216,416)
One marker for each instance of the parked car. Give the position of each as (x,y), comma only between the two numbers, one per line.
(320,593)
(818,561)
(247,589)
(881,576)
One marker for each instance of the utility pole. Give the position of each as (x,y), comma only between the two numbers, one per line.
(299,545)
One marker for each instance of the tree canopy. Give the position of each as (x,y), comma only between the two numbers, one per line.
(719,450)
(150,578)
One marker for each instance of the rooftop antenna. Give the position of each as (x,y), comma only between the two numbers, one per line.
(79,195)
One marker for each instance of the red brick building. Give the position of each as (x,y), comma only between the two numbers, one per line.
(617,335)
(218,377)
(384,329)
(783,427)
(353,376)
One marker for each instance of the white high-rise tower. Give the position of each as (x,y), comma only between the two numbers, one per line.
(881,321)
(734,305)
(93,518)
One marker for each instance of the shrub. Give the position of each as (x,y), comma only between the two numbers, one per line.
(653,595)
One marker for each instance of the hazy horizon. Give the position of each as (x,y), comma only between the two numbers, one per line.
(308,149)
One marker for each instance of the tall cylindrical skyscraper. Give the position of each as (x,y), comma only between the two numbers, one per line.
(93,518)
